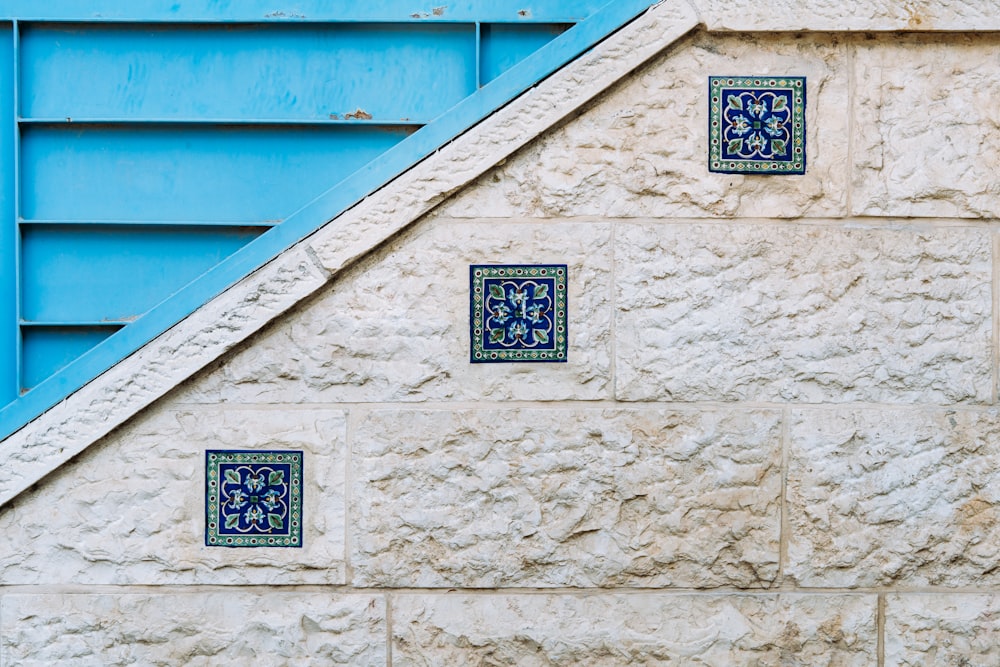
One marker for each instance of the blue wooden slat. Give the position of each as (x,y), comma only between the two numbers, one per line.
(308,218)
(188,174)
(87,274)
(48,349)
(8,230)
(506,44)
(276,72)
(546,11)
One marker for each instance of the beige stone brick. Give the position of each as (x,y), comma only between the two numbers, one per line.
(954,630)
(925,132)
(397,327)
(881,497)
(642,149)
(567,497)
(606,630)
(198,629)
(766,312)
(131,510)
(836,15)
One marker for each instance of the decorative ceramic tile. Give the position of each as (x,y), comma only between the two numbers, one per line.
(518,312)
(757,124)
(253,498)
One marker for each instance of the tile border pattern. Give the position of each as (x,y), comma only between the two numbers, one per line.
(756,124)
(253,498)
(518,312)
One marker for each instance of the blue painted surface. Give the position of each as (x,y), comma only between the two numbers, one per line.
(546,11)
(8,230)
(504,45)
(189,173)
(129,153)
(49,349)
(262,72)
(98,273)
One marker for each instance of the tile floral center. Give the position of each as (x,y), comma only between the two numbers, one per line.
(757,125)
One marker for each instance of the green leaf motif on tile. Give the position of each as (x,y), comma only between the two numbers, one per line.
(276,477)
(274,520)
(541,335)
(735,145)
(780,104)
(496,291)
(734,102)
(541,291)
(497,335)
(232,520)
(778,145)
(232,476)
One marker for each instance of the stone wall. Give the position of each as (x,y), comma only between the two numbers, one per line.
(775,441)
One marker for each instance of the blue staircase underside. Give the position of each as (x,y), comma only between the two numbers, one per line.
(154,153)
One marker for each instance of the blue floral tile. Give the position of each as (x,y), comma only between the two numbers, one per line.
(518,312)
(253,498)
(757,124)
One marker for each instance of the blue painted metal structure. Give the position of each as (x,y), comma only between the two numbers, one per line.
(152,153)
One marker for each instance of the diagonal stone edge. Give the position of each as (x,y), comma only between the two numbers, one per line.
(136,382)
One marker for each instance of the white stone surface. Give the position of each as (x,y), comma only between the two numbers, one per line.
(197,629)
(768,312)
(642,149)
(927,126)
(857,15)
(132,510)
(953,630)
(881,497)
(570,497)
(396,327)
(606,630)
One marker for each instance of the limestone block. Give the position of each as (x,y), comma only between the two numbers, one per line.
(396,328)
(943,629)
(926,139)
(882,497)
(802,313)
(195,629)
(607,630)
(131,510)
(642,149)
(566,497)
(785,15)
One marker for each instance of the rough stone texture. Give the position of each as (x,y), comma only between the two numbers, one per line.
(583,497)
(642,150)
(196,629)
(397,327)
(106,402)
(834,15)
(944,630)
(927,129)
(609,630)
(894,497)
(133,510)
(802,313)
